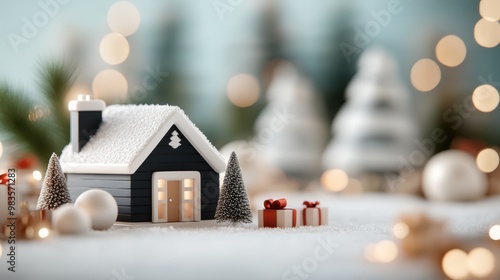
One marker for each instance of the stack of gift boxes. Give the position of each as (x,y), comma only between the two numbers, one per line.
(275,214)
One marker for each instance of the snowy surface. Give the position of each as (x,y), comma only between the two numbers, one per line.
(129,131)
(215,252)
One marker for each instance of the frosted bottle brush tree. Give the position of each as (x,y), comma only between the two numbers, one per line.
(233,205)
(54,191)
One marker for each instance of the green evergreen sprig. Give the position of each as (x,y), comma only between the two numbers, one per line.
(39,126)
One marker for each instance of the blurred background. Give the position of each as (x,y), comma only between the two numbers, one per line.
(338,95)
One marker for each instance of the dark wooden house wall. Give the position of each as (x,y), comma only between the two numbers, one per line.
(133,193)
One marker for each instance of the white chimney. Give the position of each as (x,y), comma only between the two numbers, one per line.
(85,118)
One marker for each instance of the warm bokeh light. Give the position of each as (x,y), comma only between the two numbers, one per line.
(455,264)
(495,232)
(490,9)
(29,232)
(385,251)
(425,75)
(109,84)
(114,48)
(43,232)
(485,98)
(400,230)
(451,50)
(487,160)
(243,90)
(487,33)
(354,186)
(334,180)
(37,175)
(370,253)
(74,91)
(38,112)
(480,262)
(124,18)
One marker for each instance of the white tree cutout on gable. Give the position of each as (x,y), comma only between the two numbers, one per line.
(175,141)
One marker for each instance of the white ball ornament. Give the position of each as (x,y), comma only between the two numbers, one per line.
(453,176)
(100,206)
(68,219)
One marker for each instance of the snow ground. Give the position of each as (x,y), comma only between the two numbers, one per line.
(219,252)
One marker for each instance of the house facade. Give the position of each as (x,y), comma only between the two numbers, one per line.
(153,160)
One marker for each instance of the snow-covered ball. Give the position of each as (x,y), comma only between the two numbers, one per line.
(453,176)
(68,219)
(100,206)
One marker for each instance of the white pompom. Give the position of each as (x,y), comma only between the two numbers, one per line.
(68,219)
(453,176)
(100,206)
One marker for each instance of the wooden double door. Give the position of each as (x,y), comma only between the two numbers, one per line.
(176,196)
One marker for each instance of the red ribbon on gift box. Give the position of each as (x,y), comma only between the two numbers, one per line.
(275,204)
(4,179)
(310,204)
(270,213)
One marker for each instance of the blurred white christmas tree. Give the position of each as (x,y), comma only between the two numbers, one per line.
(291,130)
(374,130)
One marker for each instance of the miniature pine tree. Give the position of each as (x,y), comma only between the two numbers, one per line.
(54,189)
(233,205)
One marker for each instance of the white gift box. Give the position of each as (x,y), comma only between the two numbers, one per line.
(314,216)
(281,218)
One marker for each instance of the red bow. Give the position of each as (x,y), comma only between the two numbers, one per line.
(275,204)
(4,179)
(310,204)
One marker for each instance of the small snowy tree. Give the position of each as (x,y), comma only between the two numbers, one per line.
(375,128)
(291,130)
(233,205)
(54,188)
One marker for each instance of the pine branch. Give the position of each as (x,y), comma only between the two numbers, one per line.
(39,127)
(32,135)
(55,79)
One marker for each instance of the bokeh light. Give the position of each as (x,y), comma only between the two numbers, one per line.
(1,149)
(490,9)
(354,186)
(370,253)
(243,90)
(386,251)
(487,33)
(480,262)
(425,75)
(124,18)
(43,232)
(334,180)
(114,48)
(74,91)
(451,50)
(487,160)
(109,84)
(455,264)
(495,232)
(485,98)
(37,175)
(400,230)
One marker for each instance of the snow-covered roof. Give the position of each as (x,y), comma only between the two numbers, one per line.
(128,134)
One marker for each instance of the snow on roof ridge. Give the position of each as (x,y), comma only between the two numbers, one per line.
(113,144)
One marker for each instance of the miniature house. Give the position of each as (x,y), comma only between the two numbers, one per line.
(153,160)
